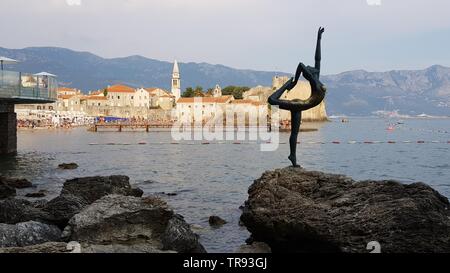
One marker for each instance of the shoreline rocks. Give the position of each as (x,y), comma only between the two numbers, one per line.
(294,210)
(127,220)
(68,166)
(13,211)
(38,194)
(17,183)
(95,187)
(216,221)
(103,214)
(27,233)
(6,191)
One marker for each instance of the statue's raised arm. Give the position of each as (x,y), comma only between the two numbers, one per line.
(318,56)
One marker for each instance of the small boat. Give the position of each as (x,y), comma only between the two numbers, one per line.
(390,128)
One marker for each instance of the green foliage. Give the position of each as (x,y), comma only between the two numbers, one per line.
(236,91)
(198,91)
(193,92)
(188,93)
(105,92)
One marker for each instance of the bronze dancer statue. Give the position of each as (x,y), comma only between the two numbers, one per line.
(296,106)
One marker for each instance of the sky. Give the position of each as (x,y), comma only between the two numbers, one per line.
(271,35)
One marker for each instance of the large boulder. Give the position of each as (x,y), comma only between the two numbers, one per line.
(178,236)
(27,233)
(94,188)
(6,191)
(62,208)
(13,211)
(294,210)
(126,220)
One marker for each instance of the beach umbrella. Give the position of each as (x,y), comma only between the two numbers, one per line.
(5,60)
(45,74)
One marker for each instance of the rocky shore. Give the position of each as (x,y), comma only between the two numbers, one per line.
(295,210)
(92,214)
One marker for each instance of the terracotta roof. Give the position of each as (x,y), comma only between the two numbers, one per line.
(154,89)
(118,88)
(151,89)
(65,97)
(222,99)
(67,89)
(95,98)
(97,92)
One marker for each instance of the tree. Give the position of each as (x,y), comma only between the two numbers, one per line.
(198,92)
(236,91)
(105,92)
(188,93)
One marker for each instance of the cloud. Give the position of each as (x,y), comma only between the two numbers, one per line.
(373,2)
(257,34)
(73,2)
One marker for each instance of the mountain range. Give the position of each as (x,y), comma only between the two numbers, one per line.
(356,92)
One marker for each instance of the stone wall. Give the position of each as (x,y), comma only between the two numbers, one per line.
(303,91)
(8,130)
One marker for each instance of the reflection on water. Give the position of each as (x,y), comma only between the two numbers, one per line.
(213,179)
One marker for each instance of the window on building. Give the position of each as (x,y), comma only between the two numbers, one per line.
(132,97)
(118,97)
(99,104)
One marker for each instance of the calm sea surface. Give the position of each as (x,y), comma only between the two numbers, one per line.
(213,179)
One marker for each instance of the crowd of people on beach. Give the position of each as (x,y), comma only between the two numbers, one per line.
(54,122)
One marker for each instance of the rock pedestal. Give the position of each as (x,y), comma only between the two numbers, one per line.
(294,210)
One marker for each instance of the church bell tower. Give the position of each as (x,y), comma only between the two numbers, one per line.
(176,84)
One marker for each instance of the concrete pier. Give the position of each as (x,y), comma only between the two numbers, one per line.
(8,129)
(20,88)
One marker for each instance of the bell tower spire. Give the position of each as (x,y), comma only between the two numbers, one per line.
(176,83)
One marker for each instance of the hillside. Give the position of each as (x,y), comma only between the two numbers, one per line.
(352,93)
